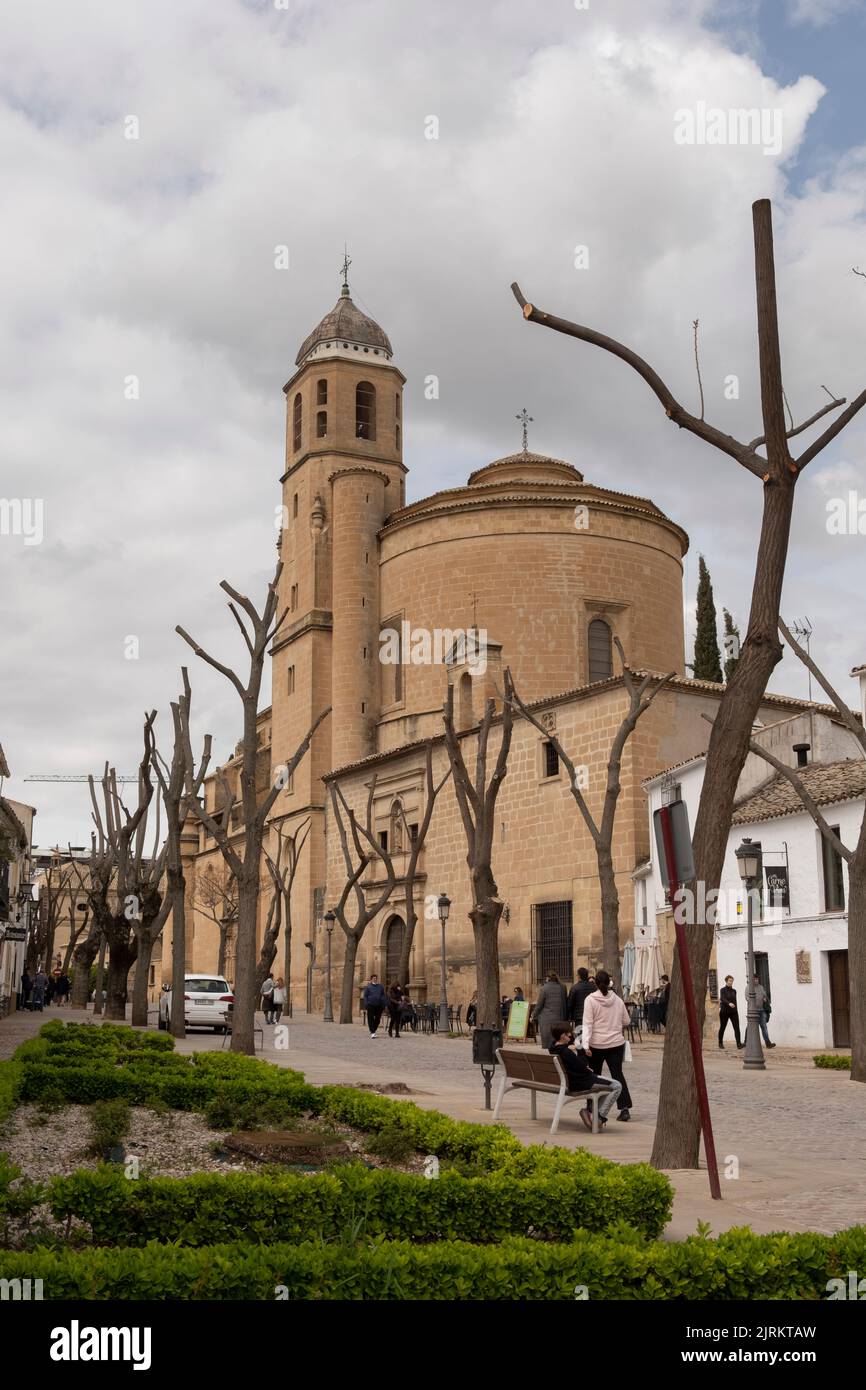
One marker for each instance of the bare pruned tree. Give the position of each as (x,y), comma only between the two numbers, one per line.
(641,690)
(124,884)
(855,859)
(677,1136)
(216,897)
(476,798)
(360,848)
(177,799)
(56,903)
(415,846)
(243,852)
(282,869)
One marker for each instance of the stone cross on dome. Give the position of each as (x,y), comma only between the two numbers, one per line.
(526,420)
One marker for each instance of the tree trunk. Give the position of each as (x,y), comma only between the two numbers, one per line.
(406,948)
(120,959)
(223,949)
(245,989)
(140,984)
(347,992)
(609,915)
(857,955)
(83,957)
(677,1136)
(485,917)
(177,893)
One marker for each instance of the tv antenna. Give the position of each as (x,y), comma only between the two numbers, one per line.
(802,630)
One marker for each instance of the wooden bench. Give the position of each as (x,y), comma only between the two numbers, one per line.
(530,1069)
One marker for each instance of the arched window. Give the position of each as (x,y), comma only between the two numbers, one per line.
(297,417)
(600,651)
(322,392)
(465,701)
(365,411)
(321,424)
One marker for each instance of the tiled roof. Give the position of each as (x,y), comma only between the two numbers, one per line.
(826,783)
(345,321)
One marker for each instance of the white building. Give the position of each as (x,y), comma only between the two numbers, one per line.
(800,922)
(16,833)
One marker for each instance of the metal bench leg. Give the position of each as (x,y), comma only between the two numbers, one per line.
(593,1110)
(503,1085)
(560,1101)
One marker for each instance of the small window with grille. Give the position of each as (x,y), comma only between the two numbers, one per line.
(551,760)
(552,940)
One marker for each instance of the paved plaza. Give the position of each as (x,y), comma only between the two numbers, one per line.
(798,1134)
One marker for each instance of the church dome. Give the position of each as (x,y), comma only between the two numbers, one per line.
(345,329)
(526,467)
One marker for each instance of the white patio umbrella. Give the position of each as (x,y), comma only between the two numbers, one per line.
(627,966)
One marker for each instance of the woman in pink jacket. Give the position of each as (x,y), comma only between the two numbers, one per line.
(605,1019)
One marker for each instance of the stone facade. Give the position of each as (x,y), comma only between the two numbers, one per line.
(544,571)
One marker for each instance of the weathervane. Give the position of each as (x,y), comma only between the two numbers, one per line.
(347,261)
(526,420)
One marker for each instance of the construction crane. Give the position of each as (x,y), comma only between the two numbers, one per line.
(79,777)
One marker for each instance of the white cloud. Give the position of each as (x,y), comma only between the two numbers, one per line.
(306,127)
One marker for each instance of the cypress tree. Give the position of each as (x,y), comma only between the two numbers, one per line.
(731,631)
(707,664)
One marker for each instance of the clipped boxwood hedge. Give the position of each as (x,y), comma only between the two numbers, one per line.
(738,1265)
(832,1061)
(213,1208)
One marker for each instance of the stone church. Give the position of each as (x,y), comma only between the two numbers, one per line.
(542,569)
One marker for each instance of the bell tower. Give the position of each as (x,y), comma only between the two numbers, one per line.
(344,473)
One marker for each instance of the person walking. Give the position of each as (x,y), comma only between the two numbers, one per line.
(268,998)
(395,1010)
(26,989)
(63,989)
(764,1010)
(577,996)
(40,984)
(605,1019)
(278,999)
(472,1010)
(373,1001)
(728,1012)
(549,1007)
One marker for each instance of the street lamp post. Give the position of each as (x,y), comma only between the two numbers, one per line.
(750,862)
(444,905)
(328,1016)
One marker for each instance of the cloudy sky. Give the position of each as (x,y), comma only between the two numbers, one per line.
(304,124)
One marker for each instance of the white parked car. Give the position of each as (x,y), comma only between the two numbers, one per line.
(206,999)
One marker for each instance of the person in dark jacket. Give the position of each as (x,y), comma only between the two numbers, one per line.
(549,1007)
(664,999)
(472,1010)
(374,1000)
(395,1010)
(40,984)
(728,1011)
(26,989)
(577,994)
(579,1074)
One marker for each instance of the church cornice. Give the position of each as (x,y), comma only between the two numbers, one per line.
(684,684)
(317,620)
(368,459)
(568,498)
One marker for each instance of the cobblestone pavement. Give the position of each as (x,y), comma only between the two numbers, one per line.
(794,1136)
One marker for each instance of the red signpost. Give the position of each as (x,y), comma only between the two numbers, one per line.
(691,1013)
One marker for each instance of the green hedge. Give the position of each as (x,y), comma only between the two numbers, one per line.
(214,1208)
(738,1265)
(832,1061)
(11,1077)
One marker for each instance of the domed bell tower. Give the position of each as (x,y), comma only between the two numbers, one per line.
(344,474)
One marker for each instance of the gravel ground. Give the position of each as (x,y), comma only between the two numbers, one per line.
(168,1146)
